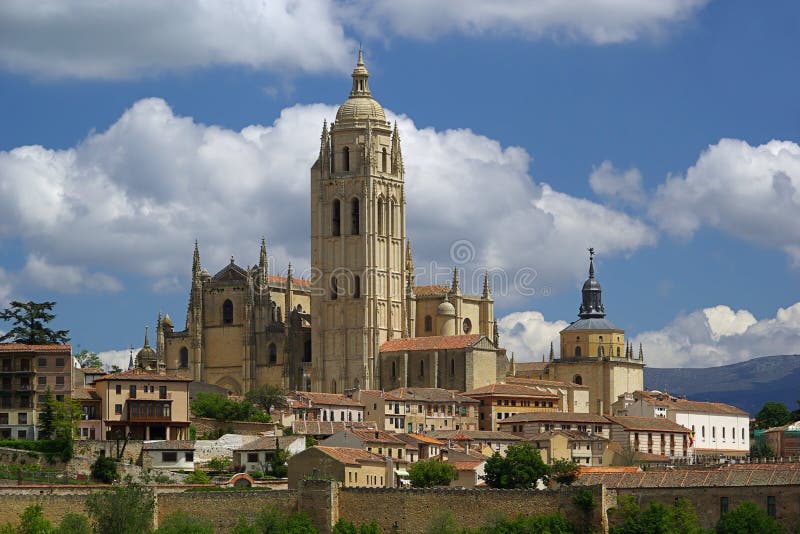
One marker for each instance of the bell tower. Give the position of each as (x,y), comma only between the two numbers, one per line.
(358,233)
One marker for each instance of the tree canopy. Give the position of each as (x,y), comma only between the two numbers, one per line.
(87,358)
(747,518)
(221,408)
(564,471)
(681,517)
(266,397)
(521,467)
(773,414)
(29,320)
(429,473)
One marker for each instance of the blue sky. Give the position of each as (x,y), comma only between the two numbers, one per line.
(663,134)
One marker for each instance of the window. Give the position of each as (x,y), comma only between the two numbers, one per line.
(132,392)
(421,369)
(169,456)
(383,159)
(703,431)
(772,509)
(42,380)
(578,380)
(577,352)
(118,389)
(428,323)
(118,409)
(380,216)
(467,326)
(618,352)
(23,418)
(162,392)
(394,370)
(59,362)
(3,418)
(22,434)
(355,217)
(743,433)
(227,312)
(273,354)
(723,505)
(713,432)
(42,362)
(346,158)
(189,456)
(60,381)
(452,367)
(723,432)
(356,287)
(184,357)
(392,210)
(336,218)
(252,457)
(334,288)
(600,351)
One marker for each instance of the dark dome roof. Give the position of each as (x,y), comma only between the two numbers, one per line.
(592,284)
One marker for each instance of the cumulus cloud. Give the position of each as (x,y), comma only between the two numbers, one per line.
(614,184)
(144,189)
(120,358)
(719,336)
(5,288)
(598,22)
(120,39)
(749,192)
(528,335)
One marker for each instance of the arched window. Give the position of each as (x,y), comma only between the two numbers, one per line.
(273,354)
(391,217)
(227,312)
(356,287)
(577,352)
(618,352)
(336,217)
(421,368)
(334,288)
(307,350)
(713,432)
(380,216)
(703,430)
(383,160)
(346,158)
(428,323)
(184,357)
(578,379)
(355,217)
(394,370)
(723,432)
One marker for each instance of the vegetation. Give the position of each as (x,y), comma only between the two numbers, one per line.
(521,467)
(29,320)
(564,471)
(122,510)
(346,527)
(444,523)
(86,359)
(32,521)
(773,414)
(681,517)
(270,520)
(74,524)
(429,473)
(747,518)
(759,448)
(277,463)
(198,476)
(266,397)
(58,424)
(221,408)
(183,523)
(584,501)
(104,469)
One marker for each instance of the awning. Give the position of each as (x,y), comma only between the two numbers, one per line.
(401,472)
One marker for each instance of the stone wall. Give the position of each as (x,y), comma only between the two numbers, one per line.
(205,426)
(91,449)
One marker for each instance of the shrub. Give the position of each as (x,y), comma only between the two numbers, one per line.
(104,469)
(74,524)
(183,523)
(429,473)
(746,518)
(122,510)
(198,477)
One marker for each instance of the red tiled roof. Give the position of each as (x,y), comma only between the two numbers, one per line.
(430,343)
(21,347)
(557,417)
(93,371)
(332,399)
(302,282)
(350,456)
(269,443)
(428,291)
(515,390)
(85,394)
(425,439)
(690,406)
(429,395)
(655,424)
(466,465)
(138,373)
(477,435)
(375,436)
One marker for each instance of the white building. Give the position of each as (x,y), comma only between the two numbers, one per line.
(718,430)
(176,455)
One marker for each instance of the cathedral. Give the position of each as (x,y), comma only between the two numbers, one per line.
(361,322)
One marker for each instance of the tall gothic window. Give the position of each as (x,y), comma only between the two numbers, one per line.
(334,288)
(428,323)
(307,351)
(391,217)
(383,160)
(577,352)
(184,357)
(394,370)
(336,217)
(355,217)
(380,216)
(227,312)
(346,157)
(356,287)
(273,353)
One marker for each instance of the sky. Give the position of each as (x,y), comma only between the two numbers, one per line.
(666,135)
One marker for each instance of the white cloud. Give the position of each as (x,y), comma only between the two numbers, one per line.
(598,21)
(749,192)
(528,335)
(614,184)
(133,198)
(122,39)
(119,358)
(5,288)
(719,336)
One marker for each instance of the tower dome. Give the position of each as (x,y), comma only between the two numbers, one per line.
(360,105)
(446,308)
(146,357)
(592,302)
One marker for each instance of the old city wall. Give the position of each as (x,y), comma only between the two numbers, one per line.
(206,427)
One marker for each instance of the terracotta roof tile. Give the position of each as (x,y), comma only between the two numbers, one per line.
(425,439)
(21,347)
(85,394)
(516,390)
(375,436)
(663,399)
(269,443)
(476,435)
(429,291)
(466,465)
(301,282)
(142,374)
(657,424)
(350,456)
(430,395)
(333,399)
(430,343)
(168,445)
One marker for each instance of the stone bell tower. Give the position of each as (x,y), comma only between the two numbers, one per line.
(358,232)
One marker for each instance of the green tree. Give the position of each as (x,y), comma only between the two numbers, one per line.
(198,476)
(74,524)
(773,414)
(343,526)
(266,397)
(759,448)
(115,369)
(47,417)
(67,415)
(747,518)
(219,464)
(86,359)
(277,463)
(680,518)
(183,523)
(521,467)
(221,408)
(122,510)
(585,502)
(429,473)
(30,320)
(550,523)
(104,469)
(444,523)
(564,471)
(32,521)
(270,520)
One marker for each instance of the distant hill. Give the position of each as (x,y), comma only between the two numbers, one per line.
(746,385)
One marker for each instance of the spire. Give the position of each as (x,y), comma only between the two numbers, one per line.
(455,286)
(196,260)
(289,274)
(262,258)
(641,352)
(487,293)
(130,359)
(146,339)
(592,302)
(409,263)
(360,78)
(397,153)
(552,352)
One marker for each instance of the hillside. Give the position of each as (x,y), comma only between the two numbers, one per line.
(747,385)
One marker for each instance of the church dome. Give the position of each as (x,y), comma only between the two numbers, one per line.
(360,105)
(167,320)
(145,354)
(592,284)
(446,308)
